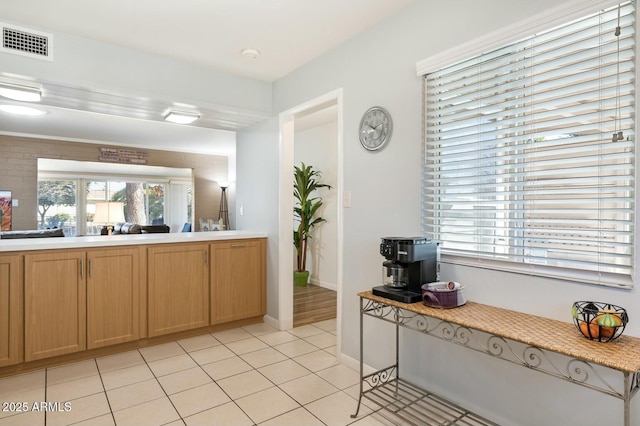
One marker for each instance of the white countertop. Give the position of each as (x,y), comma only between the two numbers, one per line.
(52,243)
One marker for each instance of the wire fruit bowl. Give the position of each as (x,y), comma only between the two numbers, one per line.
(598,321)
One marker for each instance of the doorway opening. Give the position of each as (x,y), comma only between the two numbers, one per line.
(312,132)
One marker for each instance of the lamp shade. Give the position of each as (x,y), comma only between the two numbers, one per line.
(109,212)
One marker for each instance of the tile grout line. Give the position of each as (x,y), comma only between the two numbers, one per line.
(236,355)
(106,396)
(300,405)
(214,380)
(256,369)
(160,384)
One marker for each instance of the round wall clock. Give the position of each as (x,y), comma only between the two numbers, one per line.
(375,128)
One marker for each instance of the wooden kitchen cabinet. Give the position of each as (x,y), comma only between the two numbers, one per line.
(11,299)
(238,280)
(58,302)
(55,304)
(113,296)
(178,288)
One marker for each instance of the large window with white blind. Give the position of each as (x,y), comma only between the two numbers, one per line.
(529,159)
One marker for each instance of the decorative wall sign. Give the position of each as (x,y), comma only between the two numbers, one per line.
(5,210)
(118,155)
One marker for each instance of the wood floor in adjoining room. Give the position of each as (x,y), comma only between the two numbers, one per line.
(313,303)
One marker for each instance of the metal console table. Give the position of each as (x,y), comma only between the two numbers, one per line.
(551,347)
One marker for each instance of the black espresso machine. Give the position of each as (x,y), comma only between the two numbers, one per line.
(410,262)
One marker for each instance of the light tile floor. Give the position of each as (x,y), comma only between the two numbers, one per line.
(254,375)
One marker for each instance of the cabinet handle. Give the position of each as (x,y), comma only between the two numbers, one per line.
(81,268)
(90,267)
(206,257)
(238,245)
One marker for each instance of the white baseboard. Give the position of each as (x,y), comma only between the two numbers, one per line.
(344,359)
(323,284)
(269,320)
(354,364)
(280,325)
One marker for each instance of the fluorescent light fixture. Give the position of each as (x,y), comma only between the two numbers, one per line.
(21,110)
(181,117)
(20,93)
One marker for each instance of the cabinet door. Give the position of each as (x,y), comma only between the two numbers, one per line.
(113,296)
(55,304)
(11,327)
(178,288)
(238,280)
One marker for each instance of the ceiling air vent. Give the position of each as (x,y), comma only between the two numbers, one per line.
(26,42)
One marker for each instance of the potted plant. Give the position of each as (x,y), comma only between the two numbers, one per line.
(305,210)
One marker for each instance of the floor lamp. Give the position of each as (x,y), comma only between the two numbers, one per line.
(223,216)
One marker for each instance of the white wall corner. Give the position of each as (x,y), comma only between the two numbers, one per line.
(273,322)
(354,364)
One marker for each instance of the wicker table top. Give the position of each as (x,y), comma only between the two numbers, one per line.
(622,354)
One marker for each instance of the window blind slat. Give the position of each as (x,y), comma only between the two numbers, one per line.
(520,170)
(520,63)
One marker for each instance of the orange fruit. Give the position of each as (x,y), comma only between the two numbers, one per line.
(607,332)
(593,328)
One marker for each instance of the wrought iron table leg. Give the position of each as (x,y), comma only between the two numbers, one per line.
(627,400)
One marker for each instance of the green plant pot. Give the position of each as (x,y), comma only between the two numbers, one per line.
(300,278)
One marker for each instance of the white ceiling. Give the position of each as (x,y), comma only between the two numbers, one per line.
(289,33)
(210,33)
(90,127)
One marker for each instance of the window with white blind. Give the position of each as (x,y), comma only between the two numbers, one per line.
(522,171)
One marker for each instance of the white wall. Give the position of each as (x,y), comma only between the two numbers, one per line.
(80,62)
(317,147)
(378,68)
(257,195)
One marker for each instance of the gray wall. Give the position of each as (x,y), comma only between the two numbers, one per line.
(257,194)
(378,68)
(375,68)
(79,62)
(317,146)
(106,68)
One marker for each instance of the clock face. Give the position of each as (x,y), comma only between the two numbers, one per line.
(375,128)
